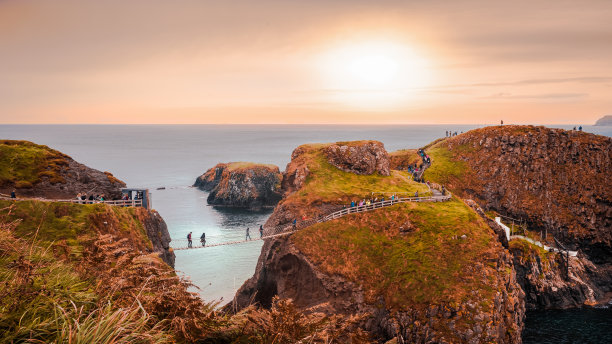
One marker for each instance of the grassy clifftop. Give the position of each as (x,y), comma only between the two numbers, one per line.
(327,184)
(554,179)
(24,163)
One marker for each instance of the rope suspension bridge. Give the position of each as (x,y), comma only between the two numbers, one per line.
(286,229)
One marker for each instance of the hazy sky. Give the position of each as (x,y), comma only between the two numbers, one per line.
(315,61)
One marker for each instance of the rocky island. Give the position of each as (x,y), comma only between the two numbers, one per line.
(242,184)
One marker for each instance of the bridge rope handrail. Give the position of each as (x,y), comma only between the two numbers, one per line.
(286,229)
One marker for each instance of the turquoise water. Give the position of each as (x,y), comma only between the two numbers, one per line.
(172,156)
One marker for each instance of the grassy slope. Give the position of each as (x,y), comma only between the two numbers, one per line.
(430,264)
(47,283)
(23,163)
(328,184)
(78,273)
(74,225)
(445,168)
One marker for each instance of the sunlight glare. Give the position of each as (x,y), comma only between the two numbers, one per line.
(373,74)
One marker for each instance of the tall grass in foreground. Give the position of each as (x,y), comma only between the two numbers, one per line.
(46,300)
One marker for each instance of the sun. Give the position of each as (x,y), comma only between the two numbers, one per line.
(373,73)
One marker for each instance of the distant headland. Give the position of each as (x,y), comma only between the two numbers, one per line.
(604,121)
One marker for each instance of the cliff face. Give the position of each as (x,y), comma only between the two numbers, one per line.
(39,171)
(157,232)
(244,185)
(557,181)
(542,277)
(402,299)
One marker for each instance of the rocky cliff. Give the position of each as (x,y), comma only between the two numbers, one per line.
(39,171)
(542,276)
(361,157)
(245,185)
(557,181)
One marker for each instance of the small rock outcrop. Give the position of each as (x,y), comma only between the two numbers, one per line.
(604,121)
(359,157)
(244,185)
(296,171)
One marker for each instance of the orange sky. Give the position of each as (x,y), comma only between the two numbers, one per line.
(310,61)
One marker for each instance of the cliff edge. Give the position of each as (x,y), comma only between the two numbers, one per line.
(558,183)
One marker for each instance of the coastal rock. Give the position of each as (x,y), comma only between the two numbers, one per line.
(360,157)
(558,182)
(157,232)
(604,121)
(296,171)
(284,271)
(244,185)
(542,277)
(47,173)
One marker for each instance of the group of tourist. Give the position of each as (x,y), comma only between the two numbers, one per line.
(84,199)
(451,133)
(203,236)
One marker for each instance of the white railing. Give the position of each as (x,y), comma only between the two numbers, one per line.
(534,242)
(118,203)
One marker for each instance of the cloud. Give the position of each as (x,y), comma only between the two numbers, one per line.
(544,96)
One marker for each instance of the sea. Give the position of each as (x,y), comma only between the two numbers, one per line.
(173,156)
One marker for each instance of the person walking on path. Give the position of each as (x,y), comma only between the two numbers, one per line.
(260,231)
(248,234)
(13,194)
(189,242)
(203,239)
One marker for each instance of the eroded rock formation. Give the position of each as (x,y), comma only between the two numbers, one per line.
(359,157)
(244,185)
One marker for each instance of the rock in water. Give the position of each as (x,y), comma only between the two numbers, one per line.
(604,121)
(241,184)
(360,157)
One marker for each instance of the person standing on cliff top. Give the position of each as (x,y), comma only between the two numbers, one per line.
(248,235)
(260,231)
(189,242)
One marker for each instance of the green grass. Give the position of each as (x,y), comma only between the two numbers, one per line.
(445,169)
(328,184)
(47,299)
(23,163)
(426,265)
(73,224)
